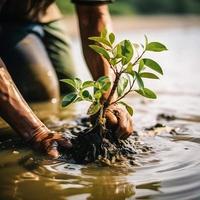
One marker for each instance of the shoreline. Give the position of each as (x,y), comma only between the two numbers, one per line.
(140,22)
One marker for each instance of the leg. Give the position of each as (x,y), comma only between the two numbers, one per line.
(59,50)
(31,69)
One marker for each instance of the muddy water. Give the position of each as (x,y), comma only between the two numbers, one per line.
(169,171)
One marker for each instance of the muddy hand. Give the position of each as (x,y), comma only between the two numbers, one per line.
(118,119)
(50,143)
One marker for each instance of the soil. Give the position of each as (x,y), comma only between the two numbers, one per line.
(89,146)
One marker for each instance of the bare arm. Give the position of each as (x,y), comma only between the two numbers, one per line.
(92,20)
(20,117)
(14,109)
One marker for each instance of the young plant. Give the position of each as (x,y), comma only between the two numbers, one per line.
(128,62)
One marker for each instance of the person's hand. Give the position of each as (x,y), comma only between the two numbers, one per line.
(119,120)
(50,142)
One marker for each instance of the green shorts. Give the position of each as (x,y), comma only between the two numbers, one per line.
(37,56)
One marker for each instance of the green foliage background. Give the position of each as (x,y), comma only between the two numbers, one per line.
(128,7)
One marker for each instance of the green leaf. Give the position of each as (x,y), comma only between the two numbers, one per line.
(100,50)
(125,51)
(122,86)
(68,99)
(104,33)
(100,40)
(70,82)
(103,79)
(78,100)
(141,65)
(98,94)
(97,85)
(146,40)
(152,65)
(78,82)
(156,46)
(86,95)
(104,83)
(94,108)
(148,75)
(87,84)
(128,108)
(113,61)
(129,70)
(147,93)
(112,38)
(117,51)
(139,81)
(106,86)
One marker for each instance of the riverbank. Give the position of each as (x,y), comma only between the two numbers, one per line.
(142,22)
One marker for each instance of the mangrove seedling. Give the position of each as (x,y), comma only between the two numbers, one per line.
(130,66)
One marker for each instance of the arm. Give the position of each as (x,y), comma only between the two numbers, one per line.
(16,112)
(92,20)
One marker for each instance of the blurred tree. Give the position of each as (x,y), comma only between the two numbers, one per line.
(159,6)
(66,7)
(127,7)
(180,6)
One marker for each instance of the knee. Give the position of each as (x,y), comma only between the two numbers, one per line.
(31,69)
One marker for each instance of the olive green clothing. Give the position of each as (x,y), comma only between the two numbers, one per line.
(37,57)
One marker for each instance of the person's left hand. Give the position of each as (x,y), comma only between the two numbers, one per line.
(119,120)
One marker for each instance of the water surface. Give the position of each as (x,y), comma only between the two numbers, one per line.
(171,171)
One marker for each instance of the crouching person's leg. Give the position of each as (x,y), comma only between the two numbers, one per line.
(31,69)
(58,45)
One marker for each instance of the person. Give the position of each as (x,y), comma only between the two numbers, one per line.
(36,53)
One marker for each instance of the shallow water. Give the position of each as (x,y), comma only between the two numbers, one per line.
(171,171)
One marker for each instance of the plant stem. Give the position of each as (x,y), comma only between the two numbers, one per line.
(112,92)
(139,57)
(124,93)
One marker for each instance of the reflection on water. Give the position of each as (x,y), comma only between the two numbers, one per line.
(170,172)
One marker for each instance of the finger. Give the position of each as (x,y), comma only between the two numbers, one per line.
(125,126)
(62,140)
(111,120)
(122,122)
(129,130)
(65,143)
(53,153)
(52,150)
(126,135)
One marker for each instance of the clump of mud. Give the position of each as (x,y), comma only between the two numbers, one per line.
(89,146)
(166,117)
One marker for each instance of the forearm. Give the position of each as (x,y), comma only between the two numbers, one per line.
(15,110)
(92,20)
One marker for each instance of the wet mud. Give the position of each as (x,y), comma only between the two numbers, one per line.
(90,147)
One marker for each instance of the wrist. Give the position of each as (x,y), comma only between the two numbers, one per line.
(38,134)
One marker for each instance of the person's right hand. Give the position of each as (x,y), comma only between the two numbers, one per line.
(49,143)
(119,121)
